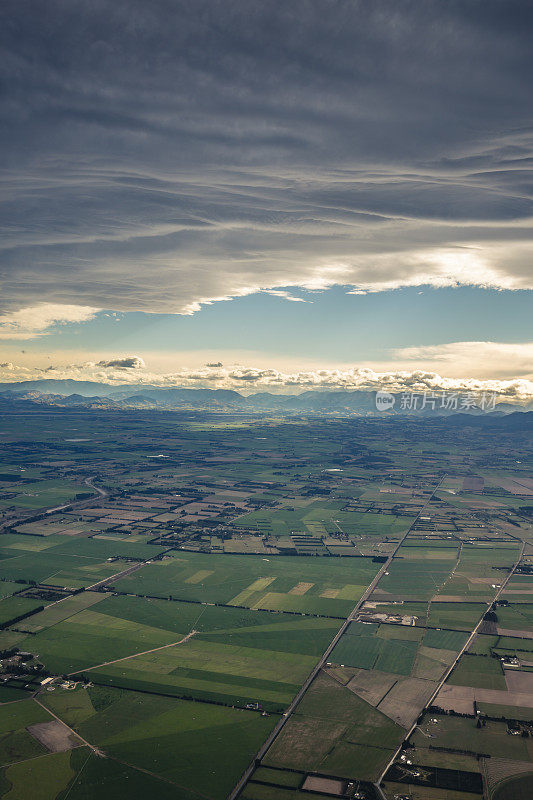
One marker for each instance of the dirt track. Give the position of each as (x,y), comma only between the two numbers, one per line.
(134,655)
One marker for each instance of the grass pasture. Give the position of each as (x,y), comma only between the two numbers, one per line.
(516,616)
(398,649)
(167,737)
(435,614)
(461,616)
(59,611)
(16,743)
(44,494)
(461,733)
(13,607)
(7,588)
(233,655)
(421,576)
(414,579)
(519,788)
(213,672)
(62,561)
(321,518)
(335,732)
(257,791)
(279,777)
(42,777)
(256,581)
(478,671)
(481,568)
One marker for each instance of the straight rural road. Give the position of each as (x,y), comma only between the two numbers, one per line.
(122,574)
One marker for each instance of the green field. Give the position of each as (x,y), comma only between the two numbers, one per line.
(445,640)
(516,616)
(414,579)
(434,614)
(62,561)
(13,607)
(321,518)
(16,743)
(183,667)
(520,788)
(233,655)
(474,576)
(463,616)
(398,649)
(278,777)
(59,611)
(9,693)
(44,494)
(498,711)
(460,733)
(169,738)
(257,582)
(7,588)
(481,672)
(480,570)
(256,791)
(335,732)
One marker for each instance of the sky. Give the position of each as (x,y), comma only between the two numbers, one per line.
(255,194)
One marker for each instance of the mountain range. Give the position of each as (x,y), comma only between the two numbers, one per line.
(88,394)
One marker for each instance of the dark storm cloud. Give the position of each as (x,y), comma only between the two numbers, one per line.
(161,154)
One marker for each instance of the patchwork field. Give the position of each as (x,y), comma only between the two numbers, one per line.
(151,745)
(61,561)
(231,655)
(398,649)
(233,547)
(335,732)
(321,518)
(332,585)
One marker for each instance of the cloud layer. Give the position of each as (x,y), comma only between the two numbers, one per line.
(160,156)
(453,362)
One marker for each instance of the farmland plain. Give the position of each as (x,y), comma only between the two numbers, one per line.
(221,605)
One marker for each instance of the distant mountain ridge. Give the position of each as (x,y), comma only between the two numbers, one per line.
(87,394)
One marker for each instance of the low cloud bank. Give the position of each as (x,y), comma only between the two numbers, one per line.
(248,379)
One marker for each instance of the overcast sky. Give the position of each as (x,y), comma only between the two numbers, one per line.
(311,166)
